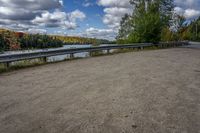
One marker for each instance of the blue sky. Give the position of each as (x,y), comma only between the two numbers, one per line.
(86,18)
(94,13)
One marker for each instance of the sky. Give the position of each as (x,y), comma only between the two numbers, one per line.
(86,18)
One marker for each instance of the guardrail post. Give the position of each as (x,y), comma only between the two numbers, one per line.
(90,53)
(71,56)
(7,64)
(108,51)
(44,59)
(162,46)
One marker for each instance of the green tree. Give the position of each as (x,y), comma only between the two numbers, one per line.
(147,21)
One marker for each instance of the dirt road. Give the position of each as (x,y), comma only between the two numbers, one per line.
(140,92)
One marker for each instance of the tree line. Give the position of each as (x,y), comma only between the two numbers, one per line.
(10,40)
(36,41)
(70,40)
(14,41)
(154,21)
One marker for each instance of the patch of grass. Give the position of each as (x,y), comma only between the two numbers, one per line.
(2,68)
(20,64)
(134,49)
(29,63)
(97,53)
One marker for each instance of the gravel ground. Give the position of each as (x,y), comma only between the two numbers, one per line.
(139,92)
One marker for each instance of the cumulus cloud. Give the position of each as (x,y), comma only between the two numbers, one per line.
(100,33)
(90,32)
(114,3)
(37,31)
(191,13)
(188,8)
(59,19)
(16,14)
(19,14)
(114,10)
(187,13)
(32,4)
(87,3)
(76,15)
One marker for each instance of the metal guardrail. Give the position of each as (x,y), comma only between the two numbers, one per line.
(48,53)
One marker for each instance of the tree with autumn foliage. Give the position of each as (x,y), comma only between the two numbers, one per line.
(8,41)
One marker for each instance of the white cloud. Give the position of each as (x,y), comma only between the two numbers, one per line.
(187,13)
(188,8)
(37,14)
(114,11)
(88,3)
(191,13)
(76,15)
(90,32)
(37,31)
(100,33)
(32,4)
(59,19)
(179,10)
(114,3)
(113,16)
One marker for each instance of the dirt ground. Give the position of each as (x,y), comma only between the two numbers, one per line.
(139,92)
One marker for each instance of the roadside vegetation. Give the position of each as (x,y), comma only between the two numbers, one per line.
(155,21)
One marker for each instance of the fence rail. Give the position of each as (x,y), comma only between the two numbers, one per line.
(48,53)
